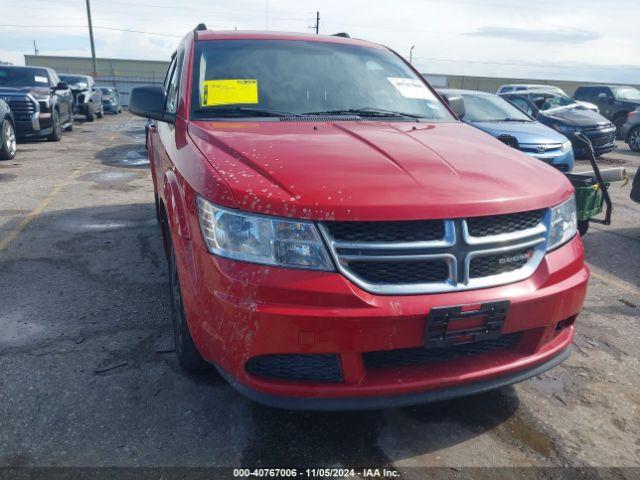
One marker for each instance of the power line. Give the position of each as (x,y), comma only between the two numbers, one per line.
(95,26)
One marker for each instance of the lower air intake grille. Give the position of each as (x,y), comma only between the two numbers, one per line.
(420,356)
(380,272)
(297,367)
(500,263)
(499,224)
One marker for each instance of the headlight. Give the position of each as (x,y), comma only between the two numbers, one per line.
(566,146)
(262,239)
(566,128)
(44,101)
(564,223)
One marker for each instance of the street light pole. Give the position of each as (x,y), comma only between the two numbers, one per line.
(93,47)
(410,51)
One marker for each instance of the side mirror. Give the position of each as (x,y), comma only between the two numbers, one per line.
(456,102)
(62,86)
(149,102)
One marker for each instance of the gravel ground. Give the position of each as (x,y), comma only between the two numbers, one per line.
(88,378)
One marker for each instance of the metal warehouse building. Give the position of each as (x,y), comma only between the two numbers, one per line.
(114,72)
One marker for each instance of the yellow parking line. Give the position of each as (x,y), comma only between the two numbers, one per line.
(606,278)
(4,242)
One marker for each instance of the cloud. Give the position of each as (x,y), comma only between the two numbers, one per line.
(558,34)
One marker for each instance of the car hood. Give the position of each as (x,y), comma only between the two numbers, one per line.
(374,170)
(576,117)
(35,91)
(532,133)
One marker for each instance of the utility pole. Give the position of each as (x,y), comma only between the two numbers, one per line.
(317,23)
(93,47)
(35,48)
(411,53)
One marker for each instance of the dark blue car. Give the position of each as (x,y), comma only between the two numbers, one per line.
(497,117)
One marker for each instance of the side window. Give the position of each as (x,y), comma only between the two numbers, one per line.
(583,93)
(167,76)
(53,78)
(173,86)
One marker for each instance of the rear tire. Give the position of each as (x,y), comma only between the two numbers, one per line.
(618,122)
(90,117)
(634,139)
(100,113)
(56,135)
(8,147)
(186,350)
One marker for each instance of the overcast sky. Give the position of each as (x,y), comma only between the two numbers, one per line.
(553,39)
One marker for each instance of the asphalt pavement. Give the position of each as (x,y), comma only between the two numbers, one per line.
(88,376)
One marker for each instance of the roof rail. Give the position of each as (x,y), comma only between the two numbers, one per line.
(200,27)
(341,34)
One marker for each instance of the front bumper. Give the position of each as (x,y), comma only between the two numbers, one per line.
(562,161)
(238,311)
(38,125)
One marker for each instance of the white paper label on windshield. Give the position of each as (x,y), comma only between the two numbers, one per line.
(411,88)
(40,79)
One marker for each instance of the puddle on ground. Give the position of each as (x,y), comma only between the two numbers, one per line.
(525,434)
(105,226)
(112,179)
(132,155)
(16,329)
(7,177)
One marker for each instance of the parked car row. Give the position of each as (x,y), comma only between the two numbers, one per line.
(36,102)
(618,104)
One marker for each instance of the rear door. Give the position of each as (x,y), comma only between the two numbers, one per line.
(65,97)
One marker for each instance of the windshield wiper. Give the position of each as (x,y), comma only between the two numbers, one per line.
(245,111)
(509,119)
(367,112)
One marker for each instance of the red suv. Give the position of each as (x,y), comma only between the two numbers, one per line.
(338,239)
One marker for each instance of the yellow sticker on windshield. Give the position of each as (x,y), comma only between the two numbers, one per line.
(229,92)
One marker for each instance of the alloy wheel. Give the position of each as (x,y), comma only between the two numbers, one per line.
(634,139)
(9,135)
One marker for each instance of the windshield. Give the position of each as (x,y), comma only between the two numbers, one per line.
(550,101)
(626,93)
(244,78)
(106,91)
(75,80)
(23,77)
(490,108)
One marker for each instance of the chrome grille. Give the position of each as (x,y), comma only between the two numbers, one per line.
(22,107)
(450,255)
(498,224)
(411,231)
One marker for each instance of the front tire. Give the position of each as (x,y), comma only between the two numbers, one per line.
(634,139)
(72,119)
(90,117)
(583,227)
(100,113)
(186,350)
(56,135)
(9,145)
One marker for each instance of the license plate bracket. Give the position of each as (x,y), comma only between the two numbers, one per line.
(441,323)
